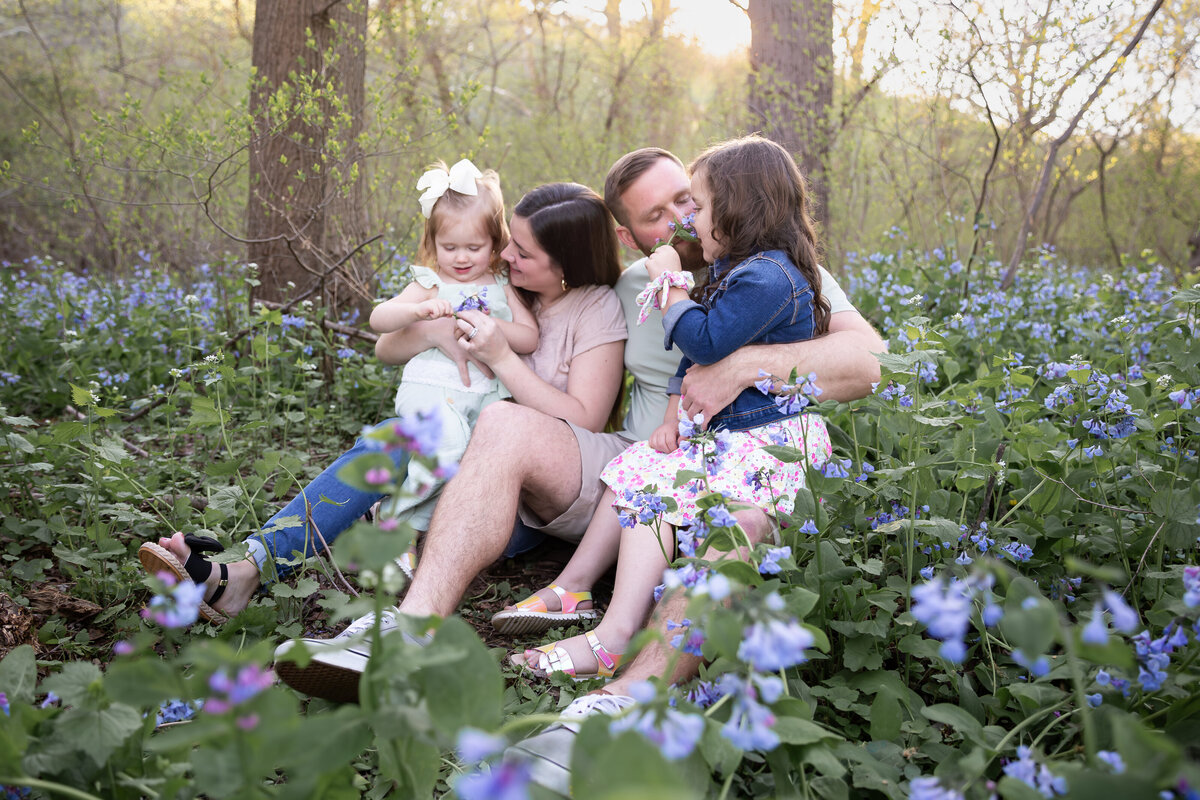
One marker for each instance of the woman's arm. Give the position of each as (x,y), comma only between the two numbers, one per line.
(592,384)
(522,332)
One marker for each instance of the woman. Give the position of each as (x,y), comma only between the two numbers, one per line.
(563,256)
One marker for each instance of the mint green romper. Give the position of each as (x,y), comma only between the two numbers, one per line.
(430,380)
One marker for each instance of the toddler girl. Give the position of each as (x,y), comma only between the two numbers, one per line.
(464,233)
(763,288)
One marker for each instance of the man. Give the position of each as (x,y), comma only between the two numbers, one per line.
(520,460)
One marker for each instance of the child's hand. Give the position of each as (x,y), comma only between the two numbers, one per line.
(665,438)
(664,259)
(434,309)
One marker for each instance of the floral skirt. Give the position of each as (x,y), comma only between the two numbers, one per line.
(743,472)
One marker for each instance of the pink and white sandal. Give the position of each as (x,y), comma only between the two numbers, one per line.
(532,615)
(553,657)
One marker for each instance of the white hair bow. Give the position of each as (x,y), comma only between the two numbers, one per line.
(461,178)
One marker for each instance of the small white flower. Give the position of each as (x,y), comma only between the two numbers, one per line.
(192,300)
(1163,381)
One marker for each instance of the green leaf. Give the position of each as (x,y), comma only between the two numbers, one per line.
(18,675)
(76,683)
(607,768)
(465,692)
(794,730)
(81,397)
(886,717)
(958,718)
(97,734)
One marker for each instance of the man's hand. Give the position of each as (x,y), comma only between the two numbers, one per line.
(665,438)
(708,389)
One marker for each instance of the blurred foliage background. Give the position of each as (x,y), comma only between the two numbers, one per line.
(127,125)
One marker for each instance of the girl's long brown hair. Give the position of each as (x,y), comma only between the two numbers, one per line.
(759,202)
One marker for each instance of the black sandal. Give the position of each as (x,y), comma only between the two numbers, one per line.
(156,558)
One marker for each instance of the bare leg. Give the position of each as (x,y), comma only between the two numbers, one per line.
(639,569)
(653,660)
(514,453)
(592,558)
(243,577)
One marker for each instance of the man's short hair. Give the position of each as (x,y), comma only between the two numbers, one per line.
(625,171)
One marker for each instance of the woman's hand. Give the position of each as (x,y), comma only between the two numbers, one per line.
(665,438)
(481,338)
(664,259)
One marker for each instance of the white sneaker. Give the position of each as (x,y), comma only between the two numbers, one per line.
(549,752)
(337,663)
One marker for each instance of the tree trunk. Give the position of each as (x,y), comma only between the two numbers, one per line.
(304,214)
(791,84)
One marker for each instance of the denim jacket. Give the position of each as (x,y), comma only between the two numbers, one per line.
(762,300)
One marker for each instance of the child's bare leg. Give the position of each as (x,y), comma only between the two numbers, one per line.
(592,558)
(640,567)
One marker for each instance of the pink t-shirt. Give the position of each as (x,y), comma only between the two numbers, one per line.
(585,317)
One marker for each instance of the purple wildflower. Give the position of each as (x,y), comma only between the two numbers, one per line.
(506,781)
(775,645)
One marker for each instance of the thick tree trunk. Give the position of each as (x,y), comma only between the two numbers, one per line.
(791,84)
(304,215)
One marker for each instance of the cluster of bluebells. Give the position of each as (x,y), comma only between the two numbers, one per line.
(474,302)
(1153,657)
(506,780)
(981,540)
(682,231)
(772,645)
(790,398)
(690,639)
(929,788)
(176,711)
(696,581)
(751,722)
(418,433)
(639,507)
(178,605)
(673,732)
(945,608)
(1124,618)
(1037,776)
(898,511)
(230,692)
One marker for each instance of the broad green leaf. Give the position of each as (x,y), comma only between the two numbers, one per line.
(18,675)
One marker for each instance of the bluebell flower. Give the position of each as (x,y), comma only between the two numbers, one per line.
(924,788)
(1095,699)
(1039,667)
(673,732)
(475,745)
(945,609)
(1113,759)
(750,722)
(179,606)
(1125,619)
(1037,776)
(176,711)
(809,527)
(836,468)
(926,572)
(1191,586)
(508,780)
(720,517)
(1017,551)
(775,645)
(770,560)
(1096,631)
